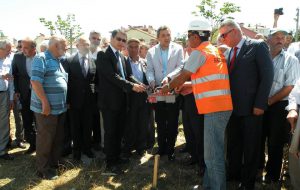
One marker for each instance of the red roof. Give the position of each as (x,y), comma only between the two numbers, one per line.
(249,33)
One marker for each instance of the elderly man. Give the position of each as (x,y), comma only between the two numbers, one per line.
(97,136)
(275,128)
(251,76)
(48,102)
(6,98)
(21,70)
(164,62)
(81,73)
(135,135)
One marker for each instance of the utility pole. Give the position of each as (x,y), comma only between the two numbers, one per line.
(297,25)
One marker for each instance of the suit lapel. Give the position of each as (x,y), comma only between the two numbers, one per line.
(240,55)
(158,52)
(23,65)
(77,65)
(170,51)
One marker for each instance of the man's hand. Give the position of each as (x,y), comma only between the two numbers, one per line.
(165,88)
(7,77)
(292,118)
(138,88)
(46,110)
(152,85)
(270,101)
(165,81)
(178,89)
(258,111)
(16,97)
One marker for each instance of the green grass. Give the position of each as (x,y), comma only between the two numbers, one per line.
(21,174)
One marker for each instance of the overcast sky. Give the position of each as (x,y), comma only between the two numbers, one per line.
(20,18)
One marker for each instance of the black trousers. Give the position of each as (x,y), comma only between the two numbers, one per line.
(28,124)
(243,148)
(81,128)
(193,126)
(96,130)
(114,123)
(151,128)
(166,117)
(275,131)
(67,132)
(135,134)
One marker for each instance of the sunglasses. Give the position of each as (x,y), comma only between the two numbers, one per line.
(224,35)
(94,38)
(121,39)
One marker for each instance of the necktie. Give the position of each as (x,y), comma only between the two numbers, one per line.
(232,61)
(82,66)
(120,67)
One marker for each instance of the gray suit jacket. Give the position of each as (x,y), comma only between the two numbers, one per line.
(154,70)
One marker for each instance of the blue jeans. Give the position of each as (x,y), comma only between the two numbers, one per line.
(214,157)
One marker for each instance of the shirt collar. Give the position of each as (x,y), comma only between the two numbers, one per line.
(240,44)
(80,56)
(48,55)
(114,49)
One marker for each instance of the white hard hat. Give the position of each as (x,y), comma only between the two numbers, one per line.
(200,25)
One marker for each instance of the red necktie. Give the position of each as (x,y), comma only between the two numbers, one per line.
(233,58)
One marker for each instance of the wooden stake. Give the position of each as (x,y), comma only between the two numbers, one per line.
(155,170)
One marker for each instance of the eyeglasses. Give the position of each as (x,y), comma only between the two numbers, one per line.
(192,33)
(121,39)
(224,35)
(94,38)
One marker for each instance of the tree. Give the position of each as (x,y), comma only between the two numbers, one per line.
(210,10)
(66,27)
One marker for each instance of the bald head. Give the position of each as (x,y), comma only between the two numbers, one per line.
(28,47)
(83,45)
(57,46)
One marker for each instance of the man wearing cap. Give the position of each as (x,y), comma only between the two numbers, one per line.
(207,69)
(275,126)
(251,76)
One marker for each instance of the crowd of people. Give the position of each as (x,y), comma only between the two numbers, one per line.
(236,97)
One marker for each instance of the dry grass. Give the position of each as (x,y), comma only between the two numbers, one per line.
(21,174)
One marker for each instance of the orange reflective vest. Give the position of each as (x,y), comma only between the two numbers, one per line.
(210,83)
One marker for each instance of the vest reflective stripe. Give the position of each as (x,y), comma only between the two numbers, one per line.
(210,83)
(212,93)
(210,78)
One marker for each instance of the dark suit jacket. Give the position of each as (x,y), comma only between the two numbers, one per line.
(139,99)
(113,89)
(251,78)
(21,78)
(79,88)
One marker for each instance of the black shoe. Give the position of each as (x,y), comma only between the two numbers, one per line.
(171,157)
(112,170)
(141,152)
(89,154)
(30,150)
(21,145)
(97,147)
(183,150)
(77,156)
(160,152)
(66,152)
(123,161)
(6,157)
(49,175)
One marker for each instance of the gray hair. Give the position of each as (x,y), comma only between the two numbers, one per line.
(230,23)
(55,39)
(160,29)
(3,44)
(95,32)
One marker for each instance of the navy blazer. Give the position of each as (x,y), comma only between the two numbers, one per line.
(251,78)
(21,78)
(79,86)
(113,89)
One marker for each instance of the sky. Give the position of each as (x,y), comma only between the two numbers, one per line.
(20,18)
